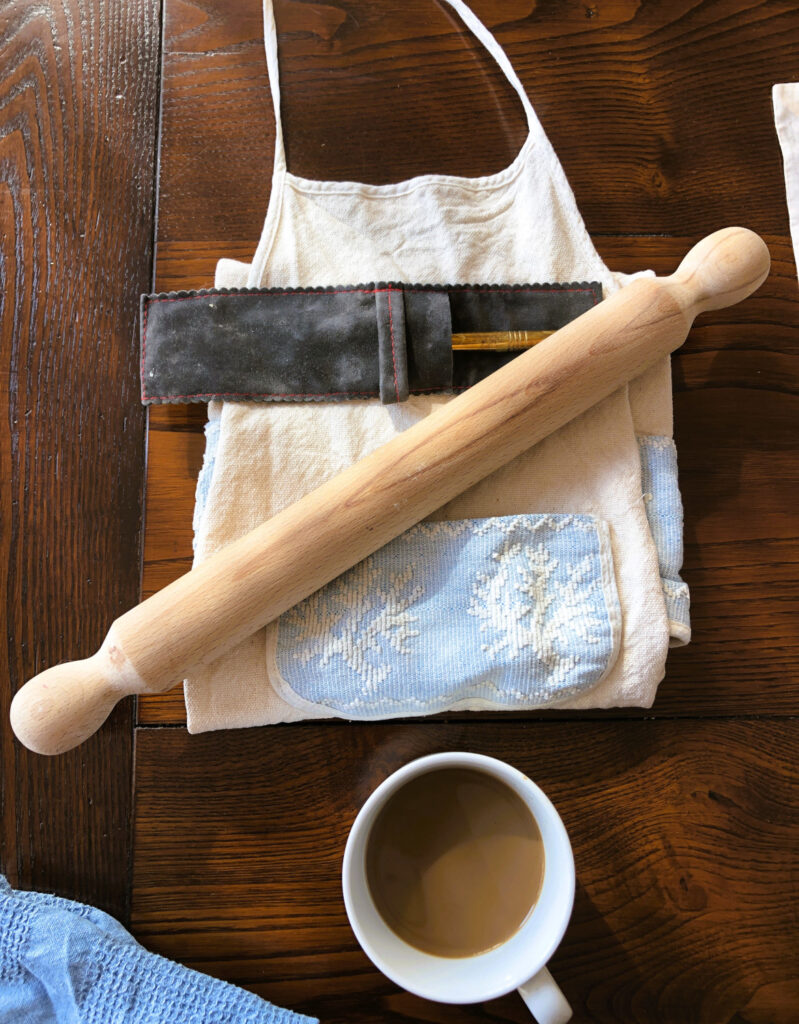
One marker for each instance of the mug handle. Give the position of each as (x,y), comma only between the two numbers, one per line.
(545,1000)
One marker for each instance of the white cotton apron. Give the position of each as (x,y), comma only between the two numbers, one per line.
(553,582)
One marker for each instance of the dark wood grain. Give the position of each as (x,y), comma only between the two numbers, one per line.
(684,837)
(77,128)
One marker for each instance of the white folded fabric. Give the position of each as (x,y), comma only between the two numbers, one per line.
(785,97)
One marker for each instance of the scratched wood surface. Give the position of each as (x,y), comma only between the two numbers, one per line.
(78,95)
(685,831)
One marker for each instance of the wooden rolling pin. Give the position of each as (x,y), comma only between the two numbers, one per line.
(241,588)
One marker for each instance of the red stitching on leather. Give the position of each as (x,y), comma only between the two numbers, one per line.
(266,291)
(393,353)
(366,291)
(267,394)
(144,353)
(327,394)
(479,289)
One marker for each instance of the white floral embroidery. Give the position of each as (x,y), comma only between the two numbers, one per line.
(413,629)
(351,616)
(531,523)
(522,606)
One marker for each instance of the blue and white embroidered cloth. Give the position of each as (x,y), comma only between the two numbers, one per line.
(511,611)
(66,963)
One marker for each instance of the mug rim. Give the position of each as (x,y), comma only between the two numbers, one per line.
(554,836)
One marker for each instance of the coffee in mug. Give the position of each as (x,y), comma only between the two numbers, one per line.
(458,879)
(455,862)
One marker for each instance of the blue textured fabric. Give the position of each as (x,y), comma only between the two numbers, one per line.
(508,612)
(664,512)
(66,963)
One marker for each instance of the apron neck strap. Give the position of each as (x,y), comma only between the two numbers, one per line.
(478,29)
(273,70)
(469,19)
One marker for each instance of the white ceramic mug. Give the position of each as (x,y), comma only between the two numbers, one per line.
(520,962)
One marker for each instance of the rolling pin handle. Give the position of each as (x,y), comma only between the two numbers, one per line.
(723,269)
(64,705)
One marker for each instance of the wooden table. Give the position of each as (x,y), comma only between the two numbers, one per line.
(224,850)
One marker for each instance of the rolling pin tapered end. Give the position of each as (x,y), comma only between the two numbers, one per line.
(62,706)
(723,268)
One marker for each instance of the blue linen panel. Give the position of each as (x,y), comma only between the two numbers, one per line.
(508,612)
(664,512)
